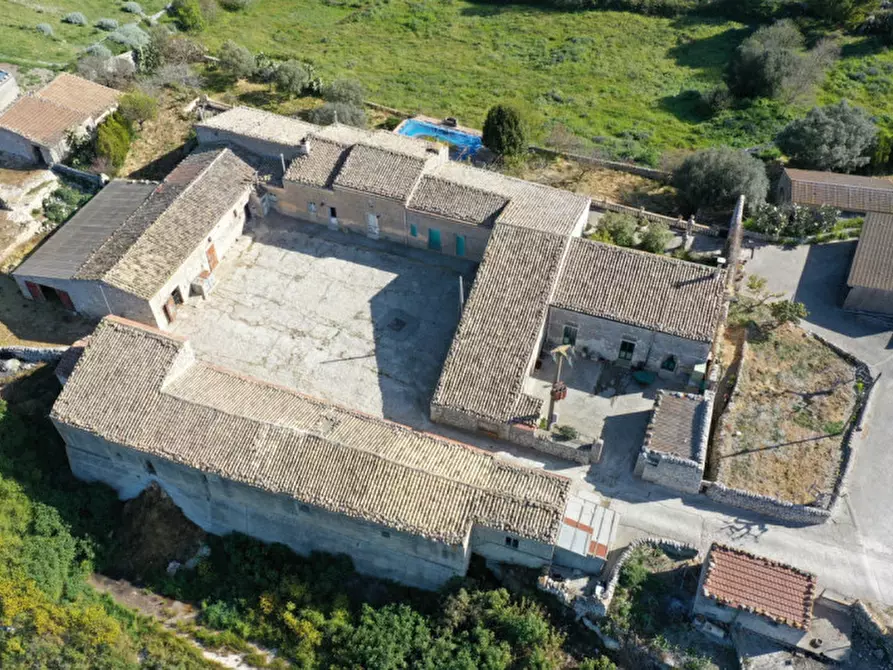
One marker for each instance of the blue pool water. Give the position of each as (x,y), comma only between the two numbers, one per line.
(462,145)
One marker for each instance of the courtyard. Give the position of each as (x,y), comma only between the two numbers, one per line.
(358,322)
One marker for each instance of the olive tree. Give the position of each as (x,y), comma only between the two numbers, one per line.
(292,77)
(714,178)
(838,137)
(235,60)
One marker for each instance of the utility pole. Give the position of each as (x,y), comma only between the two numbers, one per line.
(559,389)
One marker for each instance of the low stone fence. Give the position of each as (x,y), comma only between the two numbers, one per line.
(875,631)
(537,439)
(94,180)
(767,505)
(631,168)
(642,214)
(387,110)
(33,354)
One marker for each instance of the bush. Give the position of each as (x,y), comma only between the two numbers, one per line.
(236,60)
(338,112)
(113,139)
(840,13)
(234,5)
(794,221)
(567,432)
(347,91)
(179,50)
(107,24)
(45,28)
(619,229)
(132,8)
(138,106)
(504,131)
(58,207)
(292,77)
(880,23)
(75,19)
(177,76)
(787,311)
(714,178)
(838,137)
(115,73)
(656,238)
(773,63)
(717,100)
(130,35)
(99,51)
(188,15)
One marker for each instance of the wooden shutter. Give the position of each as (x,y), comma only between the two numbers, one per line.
(212,257)
(65,299)
(35,291)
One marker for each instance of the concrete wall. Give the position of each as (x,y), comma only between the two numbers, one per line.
(221,506)
(259,147)
(864,299)
(491,544)
(604,336)
(755,623)
(12,143)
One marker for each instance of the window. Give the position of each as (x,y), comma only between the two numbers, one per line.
(311,207)
(669,364)
(150,468)
(177,295)
(333,212)
(569,335)
(413,230)
(626,350)
(511,542)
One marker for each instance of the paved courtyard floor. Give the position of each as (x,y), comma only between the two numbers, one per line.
(362,323)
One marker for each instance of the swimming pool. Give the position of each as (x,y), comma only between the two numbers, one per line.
(462,145)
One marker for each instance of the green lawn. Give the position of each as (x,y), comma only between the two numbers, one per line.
(20,42)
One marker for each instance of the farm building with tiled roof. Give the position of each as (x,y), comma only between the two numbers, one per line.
(846,192)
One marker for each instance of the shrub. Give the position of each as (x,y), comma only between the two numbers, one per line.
(138,106)
(292,77)
(130,35)
(838,137)
(236,60)
(113,139)
(773,63)
(45,28)
(75,19)
(234,5)
(787,311)
(656,238)
(567,432)
(115,72)
(188,15)
(715,178)
(795,221)
(717,100)
(264,69)
(180,49)
(149,57)
(348,91)
(338,112)
(620,229)
(880,23)
(107,24)
(840,12)
(504,131)
(99,51)
(177,76)
(132,8)
(58,208)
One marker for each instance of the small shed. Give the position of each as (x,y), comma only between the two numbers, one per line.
(870,282)
(846,192)
(9,89)
(585,536)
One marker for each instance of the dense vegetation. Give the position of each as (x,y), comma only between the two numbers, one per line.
(317,612)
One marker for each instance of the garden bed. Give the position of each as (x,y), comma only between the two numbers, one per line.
(782,434)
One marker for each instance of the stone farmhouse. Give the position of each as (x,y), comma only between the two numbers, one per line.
(759,595)
(36,127)
(846,192)
(140,249)
(237,454)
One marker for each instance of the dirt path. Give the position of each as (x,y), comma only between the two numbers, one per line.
(171,614)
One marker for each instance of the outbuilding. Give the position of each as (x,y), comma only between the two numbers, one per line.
(870,282)
(846,192)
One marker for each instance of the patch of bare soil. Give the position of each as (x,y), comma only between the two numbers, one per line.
(793,399)
(162,142)
(153,532)
(601,183)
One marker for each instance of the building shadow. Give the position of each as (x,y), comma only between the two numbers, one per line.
(162,166)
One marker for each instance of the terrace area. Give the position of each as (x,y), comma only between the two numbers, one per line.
(362,323)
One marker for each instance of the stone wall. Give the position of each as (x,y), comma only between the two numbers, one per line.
(539,440)
(33,354)
(678,223)
(631,168)
(778,509)
(876,632)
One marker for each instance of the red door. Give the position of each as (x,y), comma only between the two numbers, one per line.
(212,257)
(65,299)
(35,291)
(170,309)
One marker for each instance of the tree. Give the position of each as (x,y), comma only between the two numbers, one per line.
(840,12)
(339,112)
(656,237)
(138,106)
(716,177)
(292,77)
(235,60)
(113,139)
(787,311)
(188,14)
(504,131)
(348,91)
(838,137)
(773,63)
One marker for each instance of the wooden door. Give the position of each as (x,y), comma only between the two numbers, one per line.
(66,301)
(170,309)
(212,257)
(35,291)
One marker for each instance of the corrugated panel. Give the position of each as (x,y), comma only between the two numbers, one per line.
(63,253)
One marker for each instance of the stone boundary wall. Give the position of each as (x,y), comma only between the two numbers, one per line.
(96,180)
(774,507)
(678,223)
(621,166)
(879,635)
(33,354)
(537,439)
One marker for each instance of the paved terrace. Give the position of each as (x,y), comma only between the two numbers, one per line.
(362,323)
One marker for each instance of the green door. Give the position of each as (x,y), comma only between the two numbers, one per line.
(434,239)
(460,245)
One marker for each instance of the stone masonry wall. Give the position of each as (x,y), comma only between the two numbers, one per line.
(778,509)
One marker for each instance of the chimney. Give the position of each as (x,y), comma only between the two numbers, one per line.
(304,148)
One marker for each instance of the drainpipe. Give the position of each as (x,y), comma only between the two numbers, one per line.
(106,300)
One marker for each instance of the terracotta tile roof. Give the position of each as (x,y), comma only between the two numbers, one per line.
(641,289)
(138,387)
(320,166)
(82,95)
(380,172)
(260,125)
(497,335)
(40,120)
(679,425)
(873,262)
(461,202)
(155,240)
(774,590)
(847,192)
